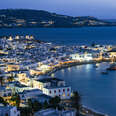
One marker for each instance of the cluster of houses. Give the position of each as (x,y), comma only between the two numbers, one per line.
(49,86)
(9,111)
(23,60)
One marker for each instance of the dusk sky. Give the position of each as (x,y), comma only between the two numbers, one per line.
(104,9)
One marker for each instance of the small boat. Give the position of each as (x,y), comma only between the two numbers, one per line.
(104,72)
(96,65)
(112,67)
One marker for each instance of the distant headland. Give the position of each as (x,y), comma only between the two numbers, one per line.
(15,18)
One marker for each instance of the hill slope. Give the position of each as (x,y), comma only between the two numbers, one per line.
(39,18)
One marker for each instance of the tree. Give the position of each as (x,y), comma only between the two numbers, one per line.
(16,99)
(34,105)
(54,102)
(2,101)
(25,111)
(30,104)
(10,79)
(75,100)
(45,104)
(1,78)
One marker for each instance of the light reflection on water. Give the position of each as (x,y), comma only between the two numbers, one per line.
(69,69)
(98,91)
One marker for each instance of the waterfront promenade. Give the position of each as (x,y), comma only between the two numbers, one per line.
(67,64)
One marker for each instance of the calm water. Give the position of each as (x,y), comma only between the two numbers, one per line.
(98,91)
(102,35)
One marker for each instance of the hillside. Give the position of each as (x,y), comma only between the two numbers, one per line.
(10,18)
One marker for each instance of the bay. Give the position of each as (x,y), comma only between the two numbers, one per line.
(68,36)
(98,91)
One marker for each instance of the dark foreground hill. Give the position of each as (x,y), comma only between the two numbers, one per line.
(38,18)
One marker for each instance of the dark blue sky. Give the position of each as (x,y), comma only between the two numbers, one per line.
(104,9)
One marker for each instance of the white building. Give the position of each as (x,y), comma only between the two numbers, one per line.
(55,87)
(5,92)
(9,111)
(64,92)
(82,57)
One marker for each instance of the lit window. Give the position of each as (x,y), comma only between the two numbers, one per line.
(63,95)
(68,94)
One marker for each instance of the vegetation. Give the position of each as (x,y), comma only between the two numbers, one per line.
(1,80)
(2,101)
(15,98)
(45,105)
(75,100)
(34,105)
(26,111)
(54,102)
(38,18)
(10,79)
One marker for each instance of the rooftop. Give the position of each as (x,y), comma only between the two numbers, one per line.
(5,108)
(33,90)
(47,112)
(50,80)
(53,112)
(55,87)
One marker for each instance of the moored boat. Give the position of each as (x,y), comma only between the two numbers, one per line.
(112,67)
(104,72)
(96,65)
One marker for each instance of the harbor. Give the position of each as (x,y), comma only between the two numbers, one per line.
(29,67)
(88,80)
(57,58)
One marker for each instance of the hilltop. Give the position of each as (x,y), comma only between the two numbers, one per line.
(10,18)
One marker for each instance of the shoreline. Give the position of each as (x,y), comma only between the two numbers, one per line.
(84,109)
(89,111)
(73,63)
(106,26)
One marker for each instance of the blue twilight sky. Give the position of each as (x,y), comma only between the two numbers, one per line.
(104,9)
